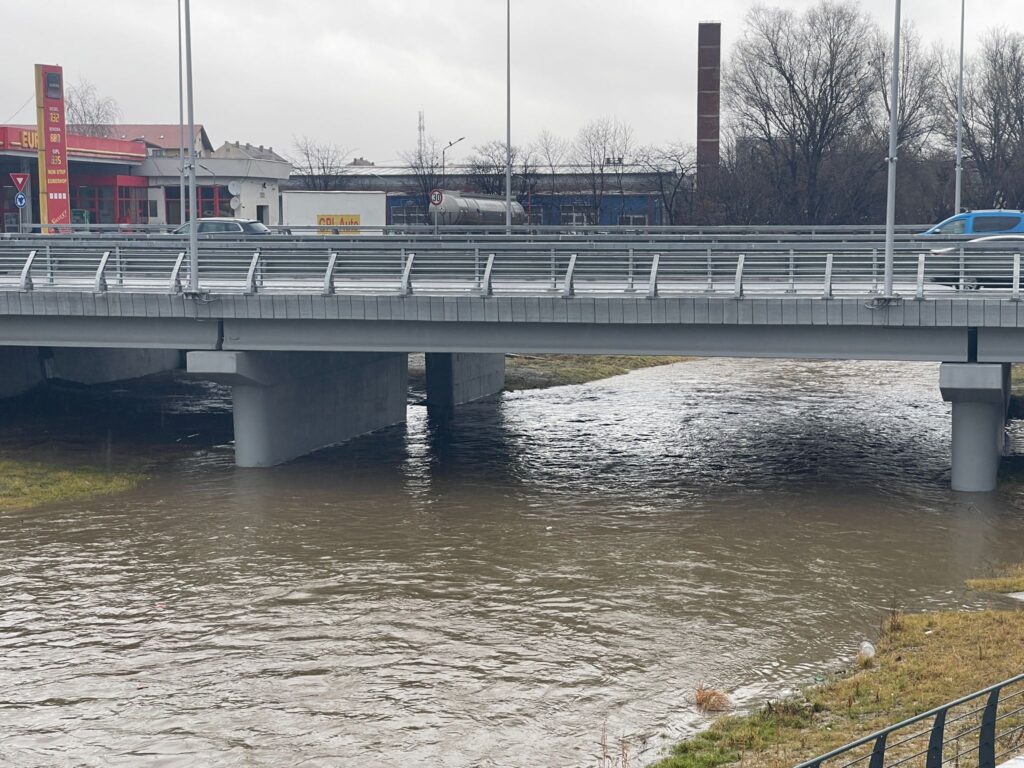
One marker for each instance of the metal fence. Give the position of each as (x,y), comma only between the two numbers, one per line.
(643,269)
(980,730)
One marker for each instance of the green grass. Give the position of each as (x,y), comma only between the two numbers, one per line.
(25,483)
(922,661)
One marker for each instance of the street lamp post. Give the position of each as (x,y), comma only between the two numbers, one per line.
(181,129)
(890,203)
(450,145)
(193,230)
(508,116)
(960,116)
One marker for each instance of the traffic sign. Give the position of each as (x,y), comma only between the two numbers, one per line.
(20,180)
(436,196)
(20,200)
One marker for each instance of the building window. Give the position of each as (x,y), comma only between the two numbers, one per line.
(575,215)
(535,216)
(633,220)
(408,215)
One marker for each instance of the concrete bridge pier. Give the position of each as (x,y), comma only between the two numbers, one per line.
(454,378)
(287,404)
(980,394)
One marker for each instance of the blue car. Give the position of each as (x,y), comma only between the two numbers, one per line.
(980,223)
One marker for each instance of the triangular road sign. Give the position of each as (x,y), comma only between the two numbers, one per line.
(20,180)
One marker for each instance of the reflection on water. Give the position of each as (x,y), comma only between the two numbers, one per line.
(491,591)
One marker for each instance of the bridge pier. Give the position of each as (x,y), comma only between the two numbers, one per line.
(454,378)
(980,394)
(287,404)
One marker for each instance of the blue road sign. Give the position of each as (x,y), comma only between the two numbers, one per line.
(20,200)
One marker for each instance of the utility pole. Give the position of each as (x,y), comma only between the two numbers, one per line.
(508,117)
(960,116)
(181,129)
(193,229)
(890,203)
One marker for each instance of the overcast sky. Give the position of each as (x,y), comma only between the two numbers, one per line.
(357,72)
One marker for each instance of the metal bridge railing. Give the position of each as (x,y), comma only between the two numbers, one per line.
(979,730)
(567,269)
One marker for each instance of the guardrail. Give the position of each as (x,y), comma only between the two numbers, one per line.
(642,270)
(987,725)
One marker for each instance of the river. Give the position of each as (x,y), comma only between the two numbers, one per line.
(500,590)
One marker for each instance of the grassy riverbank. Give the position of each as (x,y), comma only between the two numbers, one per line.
(542,371)
(922,661)
(26,483)
(1004,581)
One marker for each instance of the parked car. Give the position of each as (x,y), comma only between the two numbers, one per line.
(225,226)
(980,222)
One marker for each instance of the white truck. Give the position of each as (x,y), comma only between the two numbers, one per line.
(334,213)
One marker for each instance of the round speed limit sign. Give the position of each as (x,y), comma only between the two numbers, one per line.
(436,197)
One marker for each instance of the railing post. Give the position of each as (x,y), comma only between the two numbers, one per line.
(100,283)
(629,283)
(652,283)
(1015,295)
(120,264)
(568,289)
(711,274)
(485,288)
(878,753)
(738,288)
(476,268)
(332,260)
(874,270)
(250,278)
(406,287)
(962,267)
(175,286)
(25,282)
(827,291)
(792,272)
(51,277)
(987,733)
(920,276)
(554,271)
(938,735)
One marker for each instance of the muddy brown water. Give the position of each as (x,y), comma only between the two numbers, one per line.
(499,590)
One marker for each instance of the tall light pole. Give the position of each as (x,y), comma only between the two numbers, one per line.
(508,116)
(181,129)
(193,229)
(890,203)
(960,116)
(450,145)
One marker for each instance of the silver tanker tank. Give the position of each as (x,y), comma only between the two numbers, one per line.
(470,209)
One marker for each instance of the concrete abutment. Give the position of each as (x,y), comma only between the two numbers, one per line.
(287,404)
(980,394)
(454,378)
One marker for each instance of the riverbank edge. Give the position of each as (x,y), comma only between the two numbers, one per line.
(921,661)
(26,483)
(524,372)
(1003,581)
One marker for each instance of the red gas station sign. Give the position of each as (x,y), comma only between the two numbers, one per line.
(54,189)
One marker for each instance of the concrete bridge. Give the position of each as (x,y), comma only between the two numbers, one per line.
(313,334)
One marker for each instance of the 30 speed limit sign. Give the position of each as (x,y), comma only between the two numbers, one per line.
(436,197)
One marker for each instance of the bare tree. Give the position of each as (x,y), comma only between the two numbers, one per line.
(672,168)
(486,167)
(798,84)
(319,164)
(425,164)
(993,118)
(550,152)
(920,80)
(87,113)
(598,156)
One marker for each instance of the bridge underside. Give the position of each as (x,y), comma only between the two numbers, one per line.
(311,371)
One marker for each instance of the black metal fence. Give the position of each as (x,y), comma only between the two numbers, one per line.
(981,730)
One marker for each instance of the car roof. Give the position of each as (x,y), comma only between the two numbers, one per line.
(228,218)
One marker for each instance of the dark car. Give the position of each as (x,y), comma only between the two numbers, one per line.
(225,226)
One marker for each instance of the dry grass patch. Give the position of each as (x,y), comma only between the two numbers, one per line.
(711,700)
(1009,579)
(921,661)
(539,371)
(30,483)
